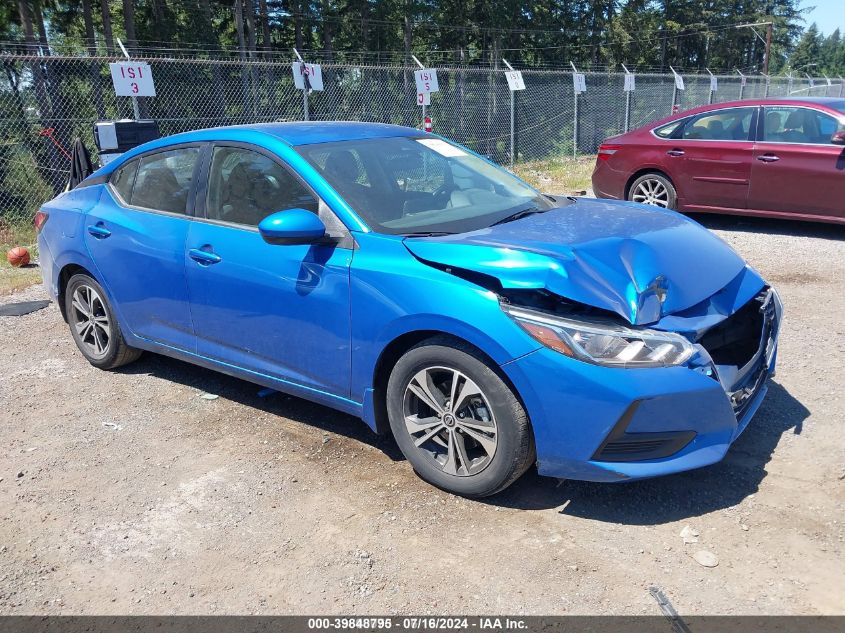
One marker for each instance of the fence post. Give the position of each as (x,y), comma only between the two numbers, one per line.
(422,66)
(841,83)
(827,87)
(741,83)
(135,108)
(513,93)
(627,102)
(711,91)
(574,113)
(811,85)
(304,88)
(766,90)
(678,79)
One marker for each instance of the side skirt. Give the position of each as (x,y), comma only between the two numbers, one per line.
(284,386)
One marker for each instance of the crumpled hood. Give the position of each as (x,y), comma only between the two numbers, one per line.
(640,262)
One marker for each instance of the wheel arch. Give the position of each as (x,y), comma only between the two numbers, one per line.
(66,272)
(647,170)
(375,406)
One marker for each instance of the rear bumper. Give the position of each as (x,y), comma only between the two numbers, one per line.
(46,262)
(607,182)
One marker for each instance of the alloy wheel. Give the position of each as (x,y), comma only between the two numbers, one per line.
(651,191)
(91,320)
(450,420)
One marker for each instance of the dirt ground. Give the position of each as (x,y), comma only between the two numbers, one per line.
(127,492)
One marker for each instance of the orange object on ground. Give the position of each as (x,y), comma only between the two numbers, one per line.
(18,256)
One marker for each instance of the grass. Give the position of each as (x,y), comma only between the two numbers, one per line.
(14,279)
(558,175)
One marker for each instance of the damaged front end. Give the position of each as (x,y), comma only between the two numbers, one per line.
(666,418)
(730,337)
(655,339)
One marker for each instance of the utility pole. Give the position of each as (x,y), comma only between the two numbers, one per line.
(769,28)
(768,41)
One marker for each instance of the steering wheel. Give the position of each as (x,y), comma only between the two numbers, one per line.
(444,191)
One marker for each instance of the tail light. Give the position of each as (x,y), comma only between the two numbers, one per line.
(39,221)
(606,151)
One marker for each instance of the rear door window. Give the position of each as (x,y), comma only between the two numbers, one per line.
(730,124)
(123,179)
(164,180)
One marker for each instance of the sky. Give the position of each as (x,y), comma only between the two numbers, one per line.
(828,15)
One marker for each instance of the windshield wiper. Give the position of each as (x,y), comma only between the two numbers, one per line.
(520,214)
(426,234)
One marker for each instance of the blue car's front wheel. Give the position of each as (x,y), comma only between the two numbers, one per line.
(456,420)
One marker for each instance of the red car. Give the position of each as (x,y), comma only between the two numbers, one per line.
(781,158)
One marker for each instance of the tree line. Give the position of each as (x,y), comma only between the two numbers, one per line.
(649,35)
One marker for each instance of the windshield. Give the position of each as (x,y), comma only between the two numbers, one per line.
(406,185)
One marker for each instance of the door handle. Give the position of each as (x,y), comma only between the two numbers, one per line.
(675,152)
(204,258)
(99,231)
(768,158)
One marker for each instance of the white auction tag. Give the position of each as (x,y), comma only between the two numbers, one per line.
(714,84)
(679,82)
(579,82)
(426,80)
(132,79)
(515,81)
(630,82)
(424,98)
(307,76)
(441,147)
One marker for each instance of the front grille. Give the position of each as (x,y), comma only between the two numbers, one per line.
(737,339)
(746,336)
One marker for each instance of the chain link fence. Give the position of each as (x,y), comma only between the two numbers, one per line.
(47,101)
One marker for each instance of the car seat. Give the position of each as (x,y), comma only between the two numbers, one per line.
(159,189)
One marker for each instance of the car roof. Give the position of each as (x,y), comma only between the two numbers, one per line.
(300,132)
(837,105)
(829,102)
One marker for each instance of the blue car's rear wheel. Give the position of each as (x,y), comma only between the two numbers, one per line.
(456,420)
(94,326)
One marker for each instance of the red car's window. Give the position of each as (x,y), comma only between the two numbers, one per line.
(786,124)
(731,124)
(667,131)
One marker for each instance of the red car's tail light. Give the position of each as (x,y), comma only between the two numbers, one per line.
(39,221)
(606,151)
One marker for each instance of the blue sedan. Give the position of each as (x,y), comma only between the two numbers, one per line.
(399,277)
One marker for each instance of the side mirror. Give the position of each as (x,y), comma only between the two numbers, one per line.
(838,138)
(292,226)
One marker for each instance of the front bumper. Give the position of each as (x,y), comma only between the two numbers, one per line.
(599,423)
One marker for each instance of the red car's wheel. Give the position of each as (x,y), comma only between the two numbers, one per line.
(653,189)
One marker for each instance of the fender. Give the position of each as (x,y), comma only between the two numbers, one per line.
(83,259)
(437,323)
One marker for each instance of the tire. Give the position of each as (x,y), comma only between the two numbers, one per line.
(654,189)
(453,458)
(99,338)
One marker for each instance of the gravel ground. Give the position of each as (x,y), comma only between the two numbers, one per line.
(127,492)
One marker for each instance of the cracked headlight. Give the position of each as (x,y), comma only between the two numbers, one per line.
(603,342)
